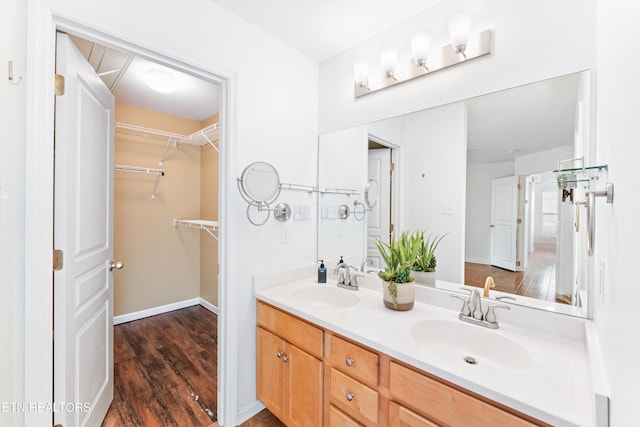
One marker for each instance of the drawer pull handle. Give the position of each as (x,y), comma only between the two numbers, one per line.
(349,362)
(279,354)
(350,396)
(284,359)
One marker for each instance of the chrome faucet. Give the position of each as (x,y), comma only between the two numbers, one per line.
(345,279)
(471,310)
(365,261)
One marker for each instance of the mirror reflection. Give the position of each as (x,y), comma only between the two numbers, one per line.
(479,170)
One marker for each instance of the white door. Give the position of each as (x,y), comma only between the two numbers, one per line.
(379,217)
(504,222)
(83,230)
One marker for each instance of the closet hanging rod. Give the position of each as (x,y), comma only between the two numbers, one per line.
(137,169)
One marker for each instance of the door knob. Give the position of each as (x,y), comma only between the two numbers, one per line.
(116,265)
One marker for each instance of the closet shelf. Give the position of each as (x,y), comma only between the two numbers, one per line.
(207,135)
(143,170)
(210,227)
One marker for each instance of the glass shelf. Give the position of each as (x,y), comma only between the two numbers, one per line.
(571,177)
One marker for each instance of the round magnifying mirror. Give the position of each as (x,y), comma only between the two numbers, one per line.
(371,193)
(261,182)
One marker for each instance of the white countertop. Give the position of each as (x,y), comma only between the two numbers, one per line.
(548,377)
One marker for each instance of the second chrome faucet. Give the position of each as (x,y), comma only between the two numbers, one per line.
(472,312)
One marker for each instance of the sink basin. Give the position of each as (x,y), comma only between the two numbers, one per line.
(327,297)
(463,340)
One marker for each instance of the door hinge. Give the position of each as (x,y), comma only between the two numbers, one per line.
(58,258)
(519,186)
(391,228)
(57,425)
(392,166)
(59,85)
(519,221)
(517,263)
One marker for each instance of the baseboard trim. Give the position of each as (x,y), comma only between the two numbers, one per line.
(249,411)
(206,304)
(478,261)
(124,318)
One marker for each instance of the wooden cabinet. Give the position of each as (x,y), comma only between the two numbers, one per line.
(289,379)
(305,383)
(399,416)
(444,404)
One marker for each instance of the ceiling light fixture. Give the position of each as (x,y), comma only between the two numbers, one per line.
(463,48)
(160,80)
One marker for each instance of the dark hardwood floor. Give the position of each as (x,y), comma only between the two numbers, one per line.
(165,370)
(538,281)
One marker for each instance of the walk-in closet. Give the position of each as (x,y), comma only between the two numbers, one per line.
(165,297)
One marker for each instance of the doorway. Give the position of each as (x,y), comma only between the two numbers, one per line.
(141,200)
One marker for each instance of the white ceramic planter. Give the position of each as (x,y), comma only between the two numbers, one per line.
(424,277)
(405,298)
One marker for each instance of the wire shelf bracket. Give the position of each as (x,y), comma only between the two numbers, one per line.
(210,227)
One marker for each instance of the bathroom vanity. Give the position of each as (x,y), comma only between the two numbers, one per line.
(329,356)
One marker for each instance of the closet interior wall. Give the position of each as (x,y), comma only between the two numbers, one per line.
(164,265)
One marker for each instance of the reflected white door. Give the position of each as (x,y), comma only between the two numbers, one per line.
(83,230)
(504,222)
(379,217)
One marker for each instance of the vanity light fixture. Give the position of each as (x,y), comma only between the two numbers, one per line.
(464,47)
(361,73)
(420,44)
(389,61)
(459,27)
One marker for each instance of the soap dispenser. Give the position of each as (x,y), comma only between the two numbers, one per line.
(322,273)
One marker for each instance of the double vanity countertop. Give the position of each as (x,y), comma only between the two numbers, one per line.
(537,363)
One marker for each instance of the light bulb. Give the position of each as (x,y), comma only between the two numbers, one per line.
(361,71)
(459,27)
(420,43)
(389,59)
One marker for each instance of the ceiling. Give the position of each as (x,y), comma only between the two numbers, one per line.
(523,120)
(323,28)
(127,78)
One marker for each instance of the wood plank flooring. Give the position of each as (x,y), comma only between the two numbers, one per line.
(538,281)
(165,370)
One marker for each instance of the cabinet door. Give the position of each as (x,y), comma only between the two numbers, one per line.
(399,416)
(270,371)
(303,388)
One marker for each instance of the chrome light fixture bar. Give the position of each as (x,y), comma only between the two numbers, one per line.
(477,46)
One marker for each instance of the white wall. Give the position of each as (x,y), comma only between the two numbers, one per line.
(342,164)
(273,118)
(431,182)
(532,41)
(618,233)
(12,101)
(478,209)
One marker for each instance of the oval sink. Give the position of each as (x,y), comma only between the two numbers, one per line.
(327,297)
(465,340)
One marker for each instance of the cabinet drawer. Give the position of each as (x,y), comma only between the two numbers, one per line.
(354,360)
(444,404)
(399,416)
(355,398)
(340,419)
(298,332)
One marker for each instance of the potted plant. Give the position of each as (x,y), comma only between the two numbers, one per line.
(424,267)
(399,256)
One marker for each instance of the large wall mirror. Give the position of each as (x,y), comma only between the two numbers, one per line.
(479,170)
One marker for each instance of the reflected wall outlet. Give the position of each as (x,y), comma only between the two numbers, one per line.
(446,209)
(285,235)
